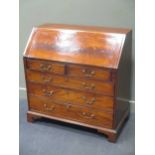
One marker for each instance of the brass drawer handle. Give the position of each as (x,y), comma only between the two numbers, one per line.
(52,108)
(46,79)
(90,102)
(48,93)
(68,106)
(88,73)
(87,86)
(88,115)
(45,67)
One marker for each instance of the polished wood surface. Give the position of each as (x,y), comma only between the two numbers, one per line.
(70,111)
(123,83)
(44,66)
(61,95)
(73,75)
(89,72)
(85,28)
(97,48)
(71,69)
(105,88)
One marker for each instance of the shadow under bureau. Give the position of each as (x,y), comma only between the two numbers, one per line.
(76,74)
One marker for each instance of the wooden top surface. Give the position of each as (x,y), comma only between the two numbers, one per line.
(88,45)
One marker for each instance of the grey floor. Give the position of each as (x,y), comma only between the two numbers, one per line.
(47,137)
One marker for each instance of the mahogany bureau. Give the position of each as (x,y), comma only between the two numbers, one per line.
(75,74)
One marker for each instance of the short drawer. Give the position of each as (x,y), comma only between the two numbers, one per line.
(71,112)
(45,66)
(105,88)
(72,97)
(89,72)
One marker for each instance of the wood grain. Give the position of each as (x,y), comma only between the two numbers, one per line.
(72,112)
(44,66)
(95,47)
(58,94)
(105,88)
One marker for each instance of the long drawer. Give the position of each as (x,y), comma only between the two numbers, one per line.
(72,97)
(71,112)
(105,88)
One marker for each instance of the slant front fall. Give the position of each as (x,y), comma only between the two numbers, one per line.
(77,46)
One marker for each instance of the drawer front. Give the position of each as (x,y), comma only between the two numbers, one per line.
(105,88)
(71,112)
(44,66)
(72,97)
(89,72)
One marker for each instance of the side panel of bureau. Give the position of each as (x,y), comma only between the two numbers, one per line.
(123,81)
